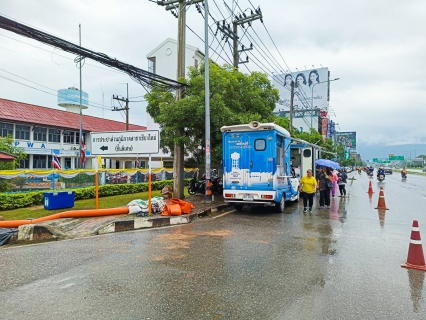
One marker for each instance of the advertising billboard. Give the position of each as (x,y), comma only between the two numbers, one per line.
(346,139)
(324,127)
(310,89)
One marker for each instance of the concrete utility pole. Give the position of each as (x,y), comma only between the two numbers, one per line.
(178,159)
(126,108)
(207,100)
(291,108)
(233,34)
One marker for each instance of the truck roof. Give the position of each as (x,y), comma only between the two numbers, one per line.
(255,126)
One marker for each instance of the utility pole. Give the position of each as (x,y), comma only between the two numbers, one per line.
(126,108)
(178,159)
(291,108)
(233,34)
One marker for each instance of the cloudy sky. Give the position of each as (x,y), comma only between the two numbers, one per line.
(376,48)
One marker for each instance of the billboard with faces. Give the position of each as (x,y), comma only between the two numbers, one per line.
(310,89)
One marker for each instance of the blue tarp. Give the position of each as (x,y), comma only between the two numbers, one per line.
(5,234)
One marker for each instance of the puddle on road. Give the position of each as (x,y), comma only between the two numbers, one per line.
(176,240)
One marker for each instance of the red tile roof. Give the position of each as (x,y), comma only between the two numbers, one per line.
(6,157)
(31,114)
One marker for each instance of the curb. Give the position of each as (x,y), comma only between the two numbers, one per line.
(144,223)
(33,233)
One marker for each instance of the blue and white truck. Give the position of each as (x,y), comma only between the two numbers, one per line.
(256,165)
(256,161)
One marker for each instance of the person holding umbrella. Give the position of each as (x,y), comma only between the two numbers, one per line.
(325,183)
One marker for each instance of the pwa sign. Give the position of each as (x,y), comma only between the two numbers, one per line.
(39,145)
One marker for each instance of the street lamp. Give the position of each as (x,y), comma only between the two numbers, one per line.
(312,97)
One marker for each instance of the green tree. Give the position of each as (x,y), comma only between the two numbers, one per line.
(235,98)
(7,145)
(313,136)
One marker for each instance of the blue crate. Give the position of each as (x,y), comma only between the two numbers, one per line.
(58,200)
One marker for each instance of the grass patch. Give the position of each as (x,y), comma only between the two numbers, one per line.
(104,203)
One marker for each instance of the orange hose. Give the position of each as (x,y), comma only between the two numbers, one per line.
(66,214)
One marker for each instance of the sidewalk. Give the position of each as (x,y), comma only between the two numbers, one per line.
(62,229)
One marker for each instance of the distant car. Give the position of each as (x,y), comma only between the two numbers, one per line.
(424,169)
(388,170)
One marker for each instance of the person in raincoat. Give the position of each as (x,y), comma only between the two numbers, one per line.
(333,190)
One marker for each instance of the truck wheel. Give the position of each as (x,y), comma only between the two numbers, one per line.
(280,206)
(238,207)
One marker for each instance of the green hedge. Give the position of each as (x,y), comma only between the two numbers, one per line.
(21,200)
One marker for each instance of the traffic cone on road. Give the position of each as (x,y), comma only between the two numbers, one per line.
(370,188)
(415,259)
(381,203)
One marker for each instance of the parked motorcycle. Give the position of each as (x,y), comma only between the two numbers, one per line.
(195,186)
(217,184)
(199,186)
(381,177)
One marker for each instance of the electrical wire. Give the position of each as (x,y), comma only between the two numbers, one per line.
(52,94)
(60,55)
(51,65)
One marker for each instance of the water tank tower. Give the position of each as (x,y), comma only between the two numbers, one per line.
(70,99)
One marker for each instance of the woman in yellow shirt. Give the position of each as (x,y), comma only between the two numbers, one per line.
(307,187)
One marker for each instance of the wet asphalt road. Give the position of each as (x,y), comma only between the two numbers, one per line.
(342,263)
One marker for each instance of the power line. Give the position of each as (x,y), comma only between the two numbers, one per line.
(52,94)
(60,55)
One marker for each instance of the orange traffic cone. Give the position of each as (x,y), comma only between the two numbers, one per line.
(370,188)
(381,204)
(415,259)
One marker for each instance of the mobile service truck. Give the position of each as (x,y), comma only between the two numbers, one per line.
(257,159)
(256,165)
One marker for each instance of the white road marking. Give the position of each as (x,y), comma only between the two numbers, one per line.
(63,280)
(68,285)
(224,214)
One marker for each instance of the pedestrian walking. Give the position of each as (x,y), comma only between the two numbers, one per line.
(307,188)
(325,183)
(342,176)
(333,190)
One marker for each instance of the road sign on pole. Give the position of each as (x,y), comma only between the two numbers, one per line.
(125,142)
(392,157)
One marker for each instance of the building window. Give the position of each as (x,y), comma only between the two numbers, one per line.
(68,136)
(151,64)
(40,134)
(6,129)
(77,138)
(54,135)
(68,163)
(39,161)
(49,163)
(22,132)
(24,164)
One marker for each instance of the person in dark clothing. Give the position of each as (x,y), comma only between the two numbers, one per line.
(342,176)
(325,182)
